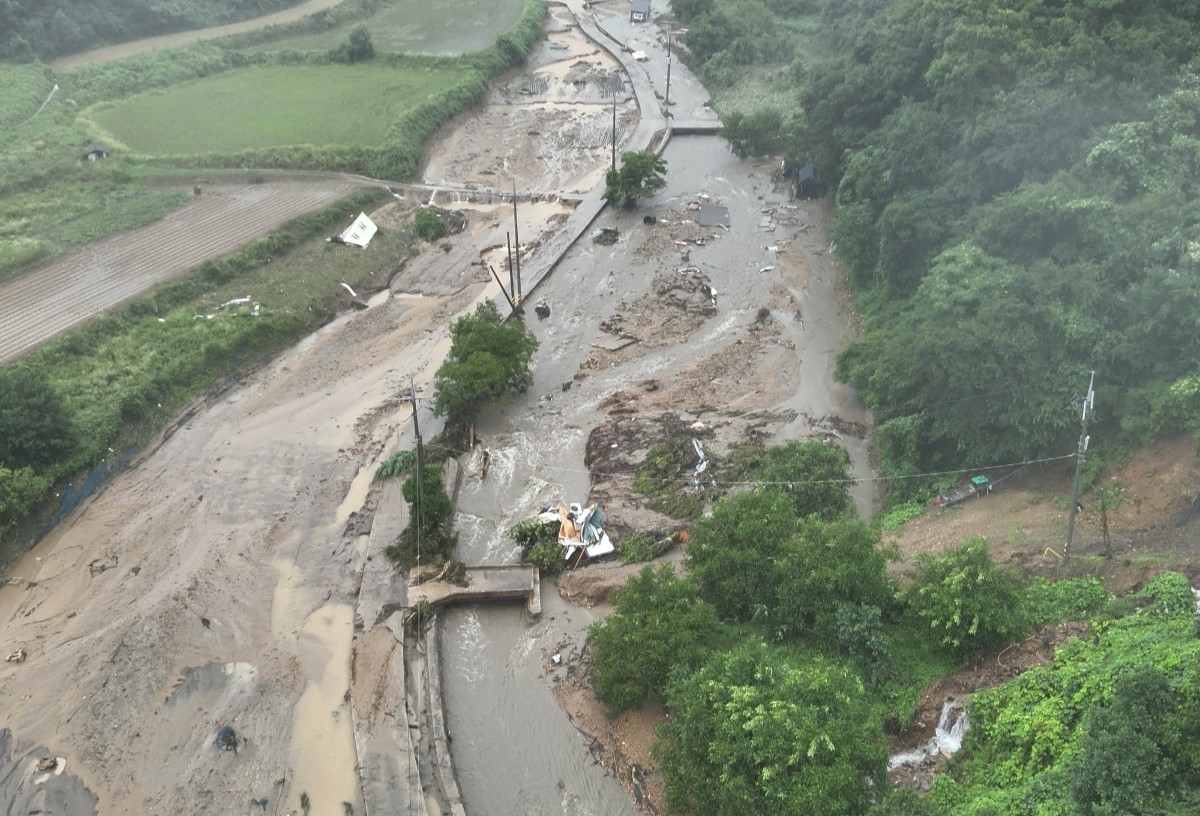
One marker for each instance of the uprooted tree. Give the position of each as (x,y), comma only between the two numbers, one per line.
(641,175)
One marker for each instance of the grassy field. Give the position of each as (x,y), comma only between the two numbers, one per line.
(272,106)
(418,26)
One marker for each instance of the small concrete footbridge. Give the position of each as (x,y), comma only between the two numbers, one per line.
(484,584)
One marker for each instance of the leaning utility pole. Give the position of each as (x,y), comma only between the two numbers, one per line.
(517,241)
(1080,454)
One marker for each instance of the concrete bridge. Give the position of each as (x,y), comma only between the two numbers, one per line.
(484,584)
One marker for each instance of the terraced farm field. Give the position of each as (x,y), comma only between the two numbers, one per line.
(52,298)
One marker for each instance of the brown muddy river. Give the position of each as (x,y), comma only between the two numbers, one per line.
(514,749)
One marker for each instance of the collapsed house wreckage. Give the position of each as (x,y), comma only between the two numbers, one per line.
(579,531)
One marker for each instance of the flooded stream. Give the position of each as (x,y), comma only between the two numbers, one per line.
(497,697)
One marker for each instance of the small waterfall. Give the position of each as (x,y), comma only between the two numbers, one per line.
(947,737)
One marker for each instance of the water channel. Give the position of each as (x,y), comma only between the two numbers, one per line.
(514,748)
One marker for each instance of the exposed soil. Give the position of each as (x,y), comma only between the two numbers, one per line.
(550,126)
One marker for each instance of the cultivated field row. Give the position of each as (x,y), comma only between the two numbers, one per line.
(69,290)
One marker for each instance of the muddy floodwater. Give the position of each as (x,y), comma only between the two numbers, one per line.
(514,749)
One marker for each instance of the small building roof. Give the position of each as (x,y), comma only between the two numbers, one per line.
(641,6)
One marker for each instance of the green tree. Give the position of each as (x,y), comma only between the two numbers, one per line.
(826,567)
(966,600)
(36,429)
(20,491)
(488,362)
(641,175)
(755,731)
(758,133)
(1127,756)
(658,626)
(734,553)
(815,475)
(357,47)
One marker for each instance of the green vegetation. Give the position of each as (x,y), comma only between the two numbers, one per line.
(51,200)
(399,26)
(118,379)
(30,28)
(357,47)
(966,600)
(488,362)
(1016,205)
(760,730)
(786,646)
(666,477)
(428,226)
(660,627)
(639,548)
(641,175)
(1108,728)
(400,463)
(271,106)
(428,538)
(539,545)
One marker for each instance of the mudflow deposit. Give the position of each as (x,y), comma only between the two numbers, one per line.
(189,634)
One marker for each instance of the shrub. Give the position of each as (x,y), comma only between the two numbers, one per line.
(642,547)
(539,545)
(357,47)
(428,226)
(658,626)
(967,600)
(400,463)
(20,490)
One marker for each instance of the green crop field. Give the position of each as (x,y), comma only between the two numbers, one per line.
(418,26)
(272,106)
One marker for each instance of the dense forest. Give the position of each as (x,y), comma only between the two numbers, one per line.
(1016,191)
(786,650)
(46,29)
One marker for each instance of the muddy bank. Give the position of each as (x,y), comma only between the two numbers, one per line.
(36,781)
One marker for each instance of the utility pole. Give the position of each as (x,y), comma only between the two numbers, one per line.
(517,241)
(614,132)
(419,475)
(1080,454)
(667,100)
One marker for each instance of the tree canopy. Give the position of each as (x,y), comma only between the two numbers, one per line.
(641,175)
(755,731)
(658,626)
(36,429)
(489,361)
(1016,190)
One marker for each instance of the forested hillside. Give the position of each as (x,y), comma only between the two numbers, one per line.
(51,28)
(1016,187)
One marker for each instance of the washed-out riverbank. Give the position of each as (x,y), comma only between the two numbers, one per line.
(210,585)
